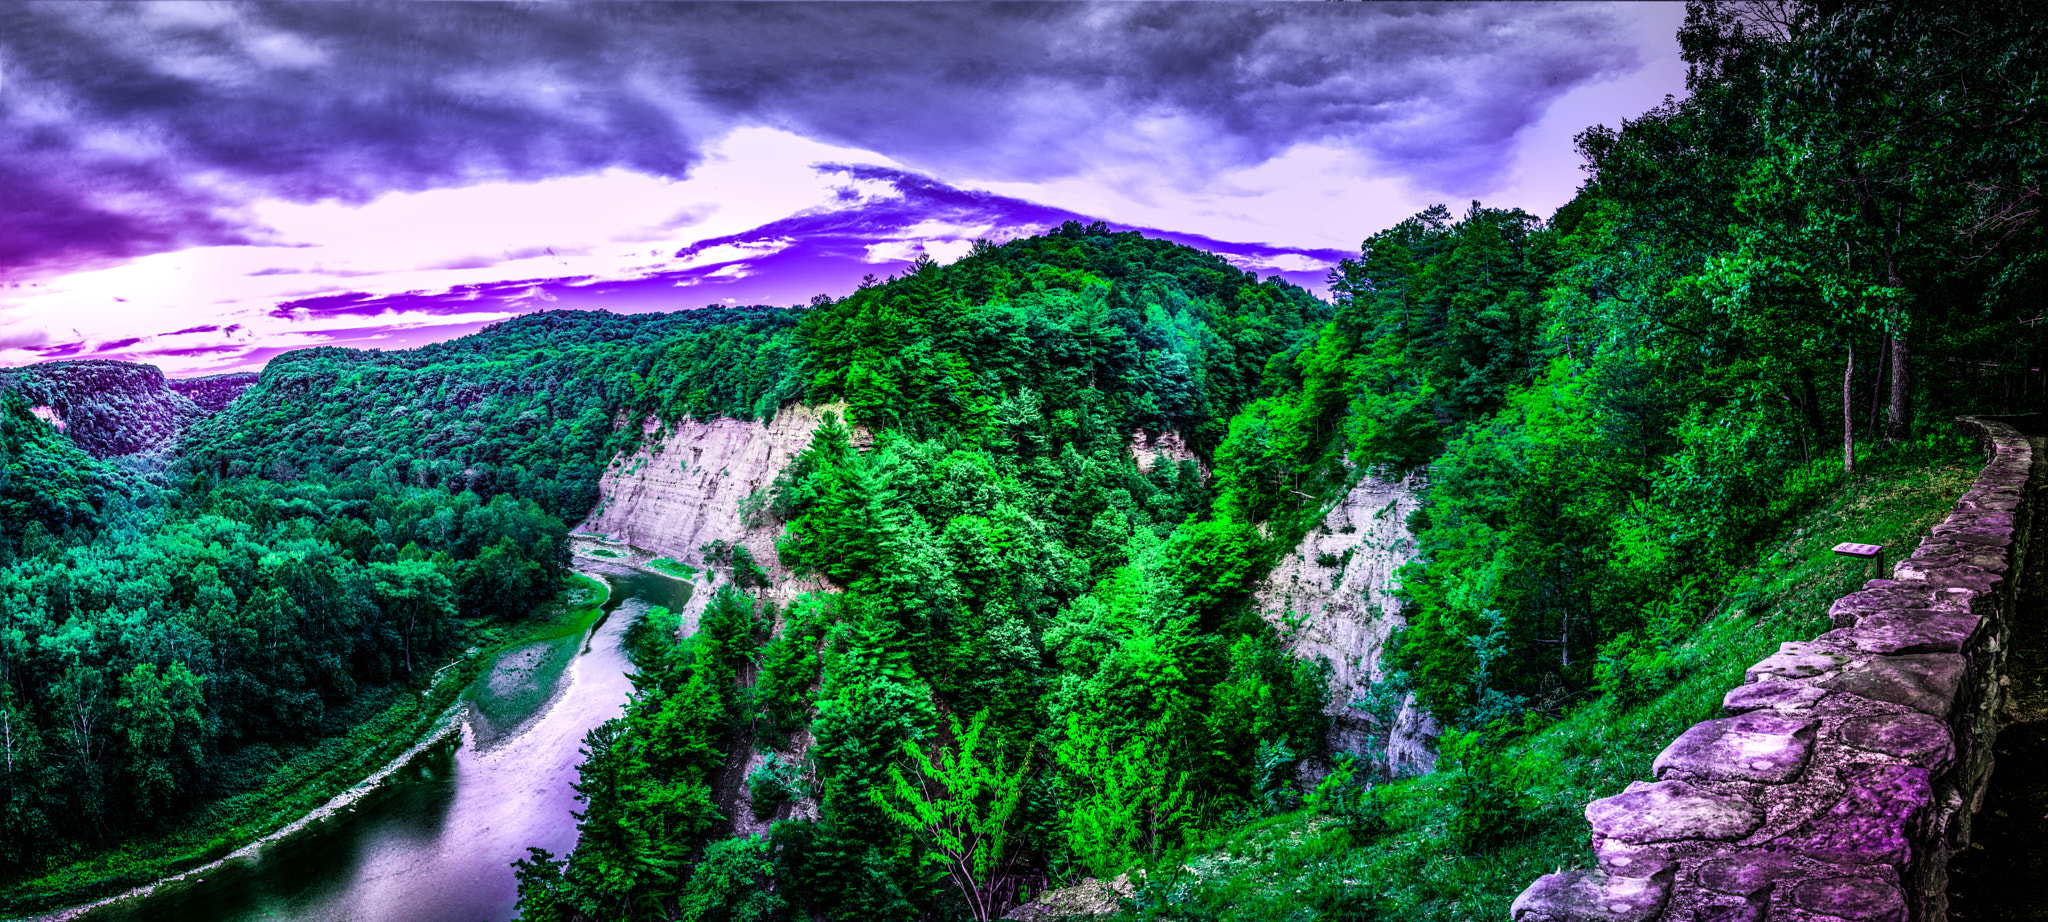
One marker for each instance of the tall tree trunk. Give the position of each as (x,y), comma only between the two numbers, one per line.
(1810,404)
(1898,421)
(1884,354)
(1849,411)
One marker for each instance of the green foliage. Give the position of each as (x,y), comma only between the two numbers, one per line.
(1484,789)
(209,625)
(777,781)
(1143,332)
(963,805)
(1505,808)
(51,493)
(995,552)
(1126,803)
(733,882)
(533,407)
(790,667)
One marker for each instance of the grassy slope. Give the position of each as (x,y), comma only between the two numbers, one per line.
(307,776)
(1305,865)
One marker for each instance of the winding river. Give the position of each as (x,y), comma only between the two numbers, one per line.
(436,841)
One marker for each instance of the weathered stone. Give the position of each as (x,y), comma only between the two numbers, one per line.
(2003,519)
(1761,746)
(1848,609)
(1909,632)
(1745,874)
(1795,660)
(1730,910)
(1915,738)
(1925,682)
(1881,688)
(1784,697)
(1964,576)
(1670,811)
(1345,614)
(1590,896)
(1620,859)
(1950,554)
(1861,899)
(1868,825)
(1981,536)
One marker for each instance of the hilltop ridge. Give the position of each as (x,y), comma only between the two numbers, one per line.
(111,408)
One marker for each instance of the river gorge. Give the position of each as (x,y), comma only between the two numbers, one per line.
(437,838)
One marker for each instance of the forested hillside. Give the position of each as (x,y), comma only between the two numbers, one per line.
(1775,292)
(1037,663)
(1806,267)
(106,408)
(532,407)
(1009,582)
(162,646)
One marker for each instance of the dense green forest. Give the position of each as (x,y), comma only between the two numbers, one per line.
(1834,240)
(1008,576)
(532,408)
(161,643)
(1039,663)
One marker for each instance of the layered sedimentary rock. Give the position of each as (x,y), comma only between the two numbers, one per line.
(683,488)
(1845,772)
(1332,599)
(1149,449)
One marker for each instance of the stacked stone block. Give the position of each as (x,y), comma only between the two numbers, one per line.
(1845,771)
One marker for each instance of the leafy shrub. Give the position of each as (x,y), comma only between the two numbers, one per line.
(1486,789)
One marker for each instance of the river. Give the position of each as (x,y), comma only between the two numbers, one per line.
(436,842)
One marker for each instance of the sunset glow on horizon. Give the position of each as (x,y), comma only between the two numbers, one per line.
(203,186)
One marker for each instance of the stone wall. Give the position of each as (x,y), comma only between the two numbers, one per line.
(1847,768)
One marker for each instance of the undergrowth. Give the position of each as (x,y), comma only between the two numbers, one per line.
(1414,849)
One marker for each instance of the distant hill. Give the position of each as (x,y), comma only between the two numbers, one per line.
(108,408)
(213,393)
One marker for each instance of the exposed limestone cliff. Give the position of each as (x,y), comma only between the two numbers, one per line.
(1148,449)
(683,491)
(1332,599)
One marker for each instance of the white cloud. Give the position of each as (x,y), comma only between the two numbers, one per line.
(606,224)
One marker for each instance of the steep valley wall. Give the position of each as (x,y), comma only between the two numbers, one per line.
(213,393)
(682,491)
(107,408)
(1332,599)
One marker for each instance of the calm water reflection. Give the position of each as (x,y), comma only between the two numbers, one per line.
(437,842)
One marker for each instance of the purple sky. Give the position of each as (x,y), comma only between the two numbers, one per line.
(205,185)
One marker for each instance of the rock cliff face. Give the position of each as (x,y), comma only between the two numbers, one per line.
(682,492)
(1148,449)
(107,408)
(1332,599)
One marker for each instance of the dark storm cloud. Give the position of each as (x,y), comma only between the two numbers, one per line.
(127,129)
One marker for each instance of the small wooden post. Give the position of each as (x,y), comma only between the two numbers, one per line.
(1863,552)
